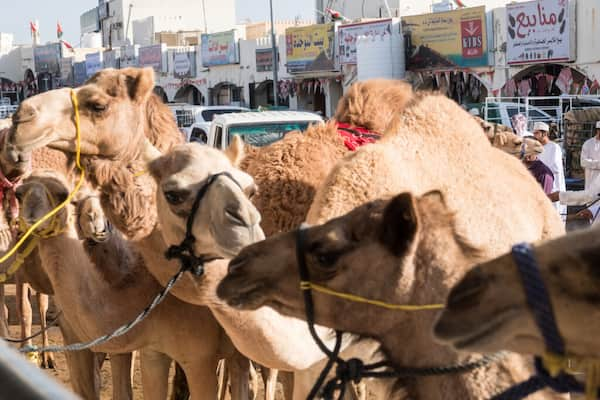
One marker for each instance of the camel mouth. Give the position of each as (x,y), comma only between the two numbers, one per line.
(46,138)
(237,292)
(463,332)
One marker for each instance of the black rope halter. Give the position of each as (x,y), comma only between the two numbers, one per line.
(354,369)
(184,251)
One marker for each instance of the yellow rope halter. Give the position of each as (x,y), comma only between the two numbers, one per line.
(304,285)
(30,231)
(590,367)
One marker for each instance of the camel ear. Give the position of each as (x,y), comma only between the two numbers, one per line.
(235,150)
(140,83)
(400,224)
(157,166)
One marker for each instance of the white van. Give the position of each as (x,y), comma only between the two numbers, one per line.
(258,128)
(195,120)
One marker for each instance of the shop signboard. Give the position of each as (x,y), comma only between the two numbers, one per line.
(184,64)
(110,58)
(538,31)
(446,39)
(89,21)
(79,73)
(129,56)
(151,56)
(264,59)
(347,34)
(310,48)
(47,58)
(93,63)
(219,48)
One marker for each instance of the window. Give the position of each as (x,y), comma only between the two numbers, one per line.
(209,115)
(218,137)
(236,93)
(265,134)
(198,135)
(185,118)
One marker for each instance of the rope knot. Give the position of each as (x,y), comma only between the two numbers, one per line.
(351,370)
(185,254)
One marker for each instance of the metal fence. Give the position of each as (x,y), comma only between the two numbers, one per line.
(7,110)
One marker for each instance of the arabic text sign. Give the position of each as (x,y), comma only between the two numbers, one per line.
(93,63)
(46,58)
(347,35)
(447,39)
(264,59)
(219,49)
(129,56)
(310,48)
(538,31)
(184,64)
(151,56)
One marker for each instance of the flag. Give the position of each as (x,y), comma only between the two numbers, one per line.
(335,15)
(59,31)
(459,3)
(67,45)
(33,27)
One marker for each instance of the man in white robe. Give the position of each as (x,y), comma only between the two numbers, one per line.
(552,156)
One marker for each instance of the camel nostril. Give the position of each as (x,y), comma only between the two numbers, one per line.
(236,216)
(468,292)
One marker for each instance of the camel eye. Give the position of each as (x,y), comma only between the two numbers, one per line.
(97,107)
(175,198)
(327,259)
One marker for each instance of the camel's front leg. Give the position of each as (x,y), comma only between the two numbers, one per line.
(25,313)
(155,374)
(239,371)
(269,376)
(202,379)
(121,370)
(47,358)
(3,314)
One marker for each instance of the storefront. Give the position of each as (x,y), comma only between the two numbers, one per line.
(221,50)
(47,65)
(311,61)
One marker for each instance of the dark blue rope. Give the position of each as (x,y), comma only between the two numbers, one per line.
(538,298)
(539,302)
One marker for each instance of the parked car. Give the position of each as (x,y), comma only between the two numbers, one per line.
(259,128)
(194,121)
(502,112)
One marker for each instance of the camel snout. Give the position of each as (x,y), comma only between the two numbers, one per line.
(468,292)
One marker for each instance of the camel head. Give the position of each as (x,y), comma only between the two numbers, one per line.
(487,311)
(39,194)
(91,222)
(374,104)
(503,138)
(112,108)
(225,220)
(370,252)
(13,164)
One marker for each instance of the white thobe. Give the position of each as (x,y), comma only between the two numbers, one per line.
(552,157)
(590,161)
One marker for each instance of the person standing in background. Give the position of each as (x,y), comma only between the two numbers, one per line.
(552,156)
(539,170)
(590,162)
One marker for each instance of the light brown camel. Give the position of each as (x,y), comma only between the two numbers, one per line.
(13,168)
(503,138)
(488,311)
(81,273)
(451,156)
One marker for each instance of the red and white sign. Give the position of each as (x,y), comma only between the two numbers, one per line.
(471,33)
(538,31)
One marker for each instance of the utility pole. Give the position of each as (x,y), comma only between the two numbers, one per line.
(275,59)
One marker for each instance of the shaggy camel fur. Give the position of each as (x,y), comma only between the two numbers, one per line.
(411,243)
(488,311)
(503,138)
(81,273)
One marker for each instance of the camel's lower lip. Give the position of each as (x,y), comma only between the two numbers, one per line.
(468,339)
(36,143)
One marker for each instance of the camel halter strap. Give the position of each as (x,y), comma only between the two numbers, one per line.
(184,251)
(354,369)
(555,369)
(62,205)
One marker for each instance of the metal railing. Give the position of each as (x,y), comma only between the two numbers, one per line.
(7,110)
(549,109)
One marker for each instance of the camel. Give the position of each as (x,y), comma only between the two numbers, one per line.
(503,138)
(111,271)
(440,131)
(478,318)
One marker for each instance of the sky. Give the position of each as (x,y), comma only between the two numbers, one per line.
(17,14)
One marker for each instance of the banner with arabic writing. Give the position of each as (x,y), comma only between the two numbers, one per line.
(219,49)
(538,31)
(446,39)
(347,35)
(310,48)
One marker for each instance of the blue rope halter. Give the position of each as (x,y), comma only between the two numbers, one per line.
(541,306)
